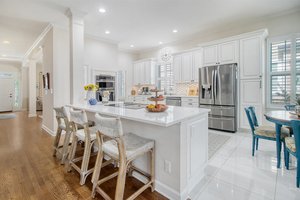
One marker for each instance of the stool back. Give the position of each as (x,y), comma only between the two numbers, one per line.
(78,117)
(296,131)
(111,127)
(289,107)
(61,115)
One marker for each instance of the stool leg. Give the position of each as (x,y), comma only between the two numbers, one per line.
(65,147)
(253,145)
(152,155)
(73,151)
(85,162)
(121,181)
(97,170)
(298,173)
(256,144)
(56,140)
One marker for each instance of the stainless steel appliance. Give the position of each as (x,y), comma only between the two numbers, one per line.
(128,105)
(106,83)
(173,101)
(217,91)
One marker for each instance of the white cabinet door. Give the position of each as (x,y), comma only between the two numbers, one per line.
(6,94)
(250,95)
(250,58)
(142,72)
(228,52)
(147,72)
(210,55)
(197,63)
(177,68)
(136,79)
(186,67)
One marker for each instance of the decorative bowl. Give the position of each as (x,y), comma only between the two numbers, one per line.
(160,108)
(92,101)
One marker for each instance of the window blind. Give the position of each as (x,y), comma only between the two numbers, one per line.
(281,56)
(280,89)
(166,80)
(297,54)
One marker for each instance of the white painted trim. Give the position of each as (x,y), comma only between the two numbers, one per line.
(49,131)
(146,59)
(32,115)
(38,40)
(160,188)
(188,50)
(263,32)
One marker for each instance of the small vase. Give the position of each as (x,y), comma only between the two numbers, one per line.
(89,95)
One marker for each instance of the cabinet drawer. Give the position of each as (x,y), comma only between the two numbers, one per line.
(191,100)
(189,104)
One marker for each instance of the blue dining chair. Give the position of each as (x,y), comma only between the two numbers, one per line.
(293,147)
(289,107)
(262,132)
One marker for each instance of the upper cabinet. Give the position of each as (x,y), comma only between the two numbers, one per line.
(251,57)
(186,66)
(223,53)
(144,72)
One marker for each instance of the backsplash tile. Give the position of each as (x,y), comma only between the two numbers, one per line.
(182,88)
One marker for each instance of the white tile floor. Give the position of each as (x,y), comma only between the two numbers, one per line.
(233,174)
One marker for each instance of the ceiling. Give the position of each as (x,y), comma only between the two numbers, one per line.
(142,23)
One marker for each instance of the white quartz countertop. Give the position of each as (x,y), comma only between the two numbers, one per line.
(172,116)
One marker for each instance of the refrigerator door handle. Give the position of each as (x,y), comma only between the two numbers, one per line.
(213,84)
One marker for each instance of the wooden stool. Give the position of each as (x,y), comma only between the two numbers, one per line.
(88,136)
(122,148)
(63,125)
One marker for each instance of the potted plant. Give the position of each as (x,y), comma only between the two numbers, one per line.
(90,93)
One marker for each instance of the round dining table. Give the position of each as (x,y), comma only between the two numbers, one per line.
(280,118)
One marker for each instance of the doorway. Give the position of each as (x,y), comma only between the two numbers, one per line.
(7,90)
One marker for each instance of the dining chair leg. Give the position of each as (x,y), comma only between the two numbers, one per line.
(287,164)
(253,145)
(278,144)
(256,144)
(286,160)
(298,172)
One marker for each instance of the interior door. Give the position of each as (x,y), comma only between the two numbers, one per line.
(225,85)
(6,94)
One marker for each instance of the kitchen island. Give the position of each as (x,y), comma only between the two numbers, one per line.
(181,144)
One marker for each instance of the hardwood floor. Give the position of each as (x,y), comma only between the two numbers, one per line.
(28,170)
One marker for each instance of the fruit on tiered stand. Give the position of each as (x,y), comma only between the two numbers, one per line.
(156,107)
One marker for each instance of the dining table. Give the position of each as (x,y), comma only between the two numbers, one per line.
(280,118)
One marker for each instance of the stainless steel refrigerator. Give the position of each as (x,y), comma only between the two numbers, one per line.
(217,91)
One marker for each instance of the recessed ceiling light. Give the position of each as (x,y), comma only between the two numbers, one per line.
(131,45)
(102,10)
(3,55)
(6,42)
(160,43)
(107,32)
(175,31)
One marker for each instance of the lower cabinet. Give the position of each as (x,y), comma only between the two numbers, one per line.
(250,95)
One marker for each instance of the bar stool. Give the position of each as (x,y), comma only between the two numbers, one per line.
(122,148)
(63,125)
(88,136)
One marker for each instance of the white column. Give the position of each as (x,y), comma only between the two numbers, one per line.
(32,88)
(76,30)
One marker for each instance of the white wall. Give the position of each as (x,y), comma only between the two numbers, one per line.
(48,101)
(277,25)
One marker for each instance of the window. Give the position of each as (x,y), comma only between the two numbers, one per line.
(284,70)
(166,78)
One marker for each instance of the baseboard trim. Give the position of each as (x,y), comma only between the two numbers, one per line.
(49,131)
(160,187)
